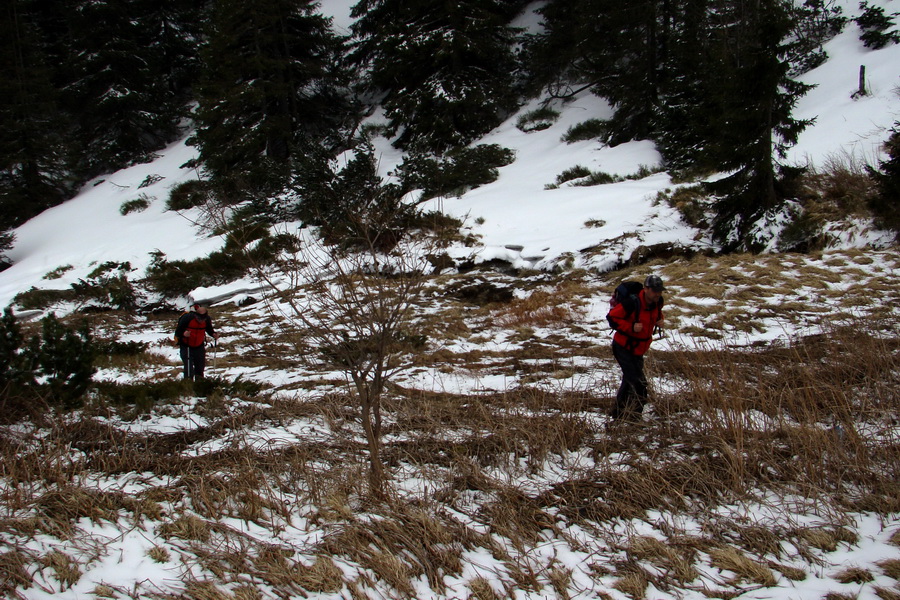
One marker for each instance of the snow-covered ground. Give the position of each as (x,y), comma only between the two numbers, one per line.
(518,220)
(514,212)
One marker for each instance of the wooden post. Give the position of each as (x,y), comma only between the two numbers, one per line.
(862,82)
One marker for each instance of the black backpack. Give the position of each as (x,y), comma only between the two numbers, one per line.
(626,293)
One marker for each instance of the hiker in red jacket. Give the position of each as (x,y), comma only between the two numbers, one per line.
(190,333)
(635,322)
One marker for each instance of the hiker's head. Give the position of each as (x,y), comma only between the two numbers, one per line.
(198,308)
(655,283)
(653,287)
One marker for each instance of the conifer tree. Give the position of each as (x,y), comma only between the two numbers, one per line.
(886,202)
(116,82)
(11,371)
(33,161)
(64,358)
(273,84)
(754,125)
(875,27)
(445,70)
(616,49)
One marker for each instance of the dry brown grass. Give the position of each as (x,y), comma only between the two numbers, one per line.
(895,538)
(854,574)
(14,572)
(405,544)
(66,570)
(744,568)
(633,584)
(890,567)
(840,187)
(482,590)
(886,593)
(730,427)
(678,566)
(789,572)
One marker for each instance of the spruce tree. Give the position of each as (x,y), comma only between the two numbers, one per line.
(444,71)
(754,124)
(116,84)
(273,84)
(886,202)
(63,358)
(33,159)
(351,204)
(11,372)
(616,49)
(875,27)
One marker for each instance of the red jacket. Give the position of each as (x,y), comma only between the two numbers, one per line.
(635,342)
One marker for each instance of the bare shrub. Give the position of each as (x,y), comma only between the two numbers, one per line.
(358,307)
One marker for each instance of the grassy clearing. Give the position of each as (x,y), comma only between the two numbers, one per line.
(748,472)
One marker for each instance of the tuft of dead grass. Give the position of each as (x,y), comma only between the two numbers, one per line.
(633,584)
(886,593)
(186,527)
(159,554)
(854,574)
(65,569)
(744,568)
(677,566)
(404,544)
(895,538)
(890,567)
(14,572)
(827,538)
(482,590)
(789,572)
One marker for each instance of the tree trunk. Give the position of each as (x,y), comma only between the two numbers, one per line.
(370,406)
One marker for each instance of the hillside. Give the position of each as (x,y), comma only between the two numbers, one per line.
(765,467)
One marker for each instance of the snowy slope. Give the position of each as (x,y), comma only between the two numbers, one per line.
(516,217)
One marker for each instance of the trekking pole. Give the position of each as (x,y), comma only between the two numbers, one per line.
(215,351)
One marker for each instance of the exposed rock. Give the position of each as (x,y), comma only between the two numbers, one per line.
(664,251)
(440,262)
(482,293)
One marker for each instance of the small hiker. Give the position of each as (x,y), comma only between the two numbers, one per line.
(190,333)
(635,318)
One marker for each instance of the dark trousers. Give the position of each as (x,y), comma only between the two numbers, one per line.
(633,392)
(194,359)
